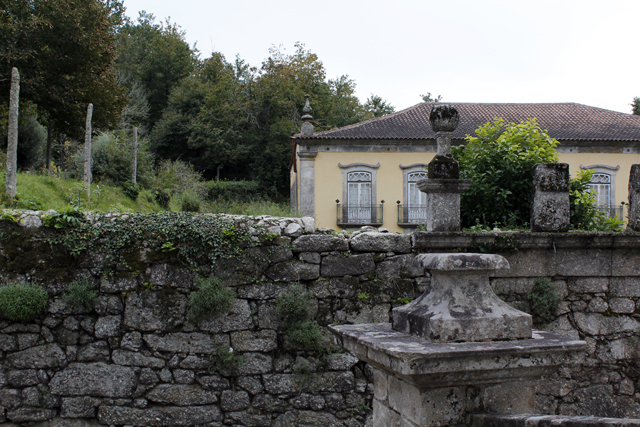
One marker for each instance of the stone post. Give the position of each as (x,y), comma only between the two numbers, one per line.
(442,185)
(634,198)
(12,135)
(550,205)
(437,362)
(307,182)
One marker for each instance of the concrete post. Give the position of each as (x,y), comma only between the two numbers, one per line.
(634,198)
(550,206)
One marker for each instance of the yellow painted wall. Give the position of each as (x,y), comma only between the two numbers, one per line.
(609,159)
(328,183)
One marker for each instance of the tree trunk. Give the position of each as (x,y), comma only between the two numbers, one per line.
(87,152)
(12,143)
(134,162)
(49,143)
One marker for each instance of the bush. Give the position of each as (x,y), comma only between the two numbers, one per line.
(499,160)
(543,299)
(131,190)
(162,197)
(225,361)
(232,191)
(209,297)
(22,302)
(294,308)
(111,157)
(189,202)
(81,294)
(69,217)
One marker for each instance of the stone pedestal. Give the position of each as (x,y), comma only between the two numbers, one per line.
(634,198)
(418,383)
(425,377)
(550,206)
(443,202)
(460,304)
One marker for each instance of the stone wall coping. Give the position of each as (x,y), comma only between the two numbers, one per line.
(532,420)
(423,240)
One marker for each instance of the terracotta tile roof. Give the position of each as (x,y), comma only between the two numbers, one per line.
(563,121)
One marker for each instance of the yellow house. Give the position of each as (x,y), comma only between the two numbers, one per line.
(366,173)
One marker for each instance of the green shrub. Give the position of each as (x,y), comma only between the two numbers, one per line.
(22,302)
(499,160)
(305,335)
(294,308)
(233,191)
(81,294)
(163,198)
(189,202)
(543,299)
(210,296)
(31,203)
(130,189)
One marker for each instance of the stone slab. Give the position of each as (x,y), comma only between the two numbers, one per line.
(431,364)
(159,415)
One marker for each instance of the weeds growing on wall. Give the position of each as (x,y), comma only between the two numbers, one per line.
(225,361)
(301,332)
(81,294)
(22,302)
(195,238)
(542,300)
(210,296)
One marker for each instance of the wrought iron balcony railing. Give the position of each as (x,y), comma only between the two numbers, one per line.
(359,215)
(412,215)
(617,211)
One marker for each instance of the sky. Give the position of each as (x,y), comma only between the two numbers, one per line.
(581,51)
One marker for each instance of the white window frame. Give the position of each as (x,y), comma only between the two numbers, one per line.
(406,171)
(359,167)
(606,170)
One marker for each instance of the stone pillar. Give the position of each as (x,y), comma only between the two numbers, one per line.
(307,177)
(442,185)
(550,205)
(634,198)
(436,363)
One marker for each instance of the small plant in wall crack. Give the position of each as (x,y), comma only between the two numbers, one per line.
(225,361)
(81,294)
(210,296)
(294,308)
(542,301)
(22,302)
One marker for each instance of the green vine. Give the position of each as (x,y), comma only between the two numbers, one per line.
(193,239)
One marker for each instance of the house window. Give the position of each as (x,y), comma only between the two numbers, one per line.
(603,183)
(417,200)
(359,195)
(413,210)
(601,187)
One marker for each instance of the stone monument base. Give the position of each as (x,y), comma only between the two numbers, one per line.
(418,383)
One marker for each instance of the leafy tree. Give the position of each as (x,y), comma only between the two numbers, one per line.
(64,50)
(378,107)
(429,98)
(155,57)
(499,160)
(635,106)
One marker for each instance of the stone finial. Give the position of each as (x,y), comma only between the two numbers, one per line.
(634,198)
(460,305)
(307,127)
(550,206)
(444,118)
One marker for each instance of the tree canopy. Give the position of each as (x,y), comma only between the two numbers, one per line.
(64,51)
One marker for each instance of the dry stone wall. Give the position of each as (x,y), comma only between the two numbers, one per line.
(135,359)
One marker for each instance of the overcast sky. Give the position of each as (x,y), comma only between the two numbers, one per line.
(582,51)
